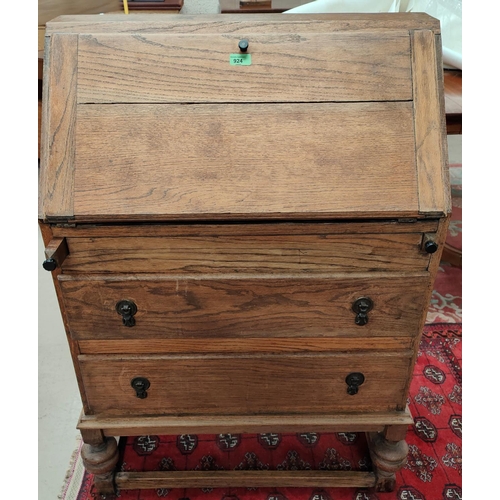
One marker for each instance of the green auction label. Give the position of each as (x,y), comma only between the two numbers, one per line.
(240,59)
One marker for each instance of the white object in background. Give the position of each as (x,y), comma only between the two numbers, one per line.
(449,13)
(346,6)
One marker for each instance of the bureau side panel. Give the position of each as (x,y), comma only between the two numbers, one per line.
(47,235)
(430,124)
(57,154)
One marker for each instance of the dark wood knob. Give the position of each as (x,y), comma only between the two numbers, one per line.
(243,45)
(353,381)
(49,264)
(430,246)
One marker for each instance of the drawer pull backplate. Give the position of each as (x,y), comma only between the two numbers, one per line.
(361,307)
(127,310)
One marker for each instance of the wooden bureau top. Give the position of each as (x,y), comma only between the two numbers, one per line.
(331,116)
(233,23)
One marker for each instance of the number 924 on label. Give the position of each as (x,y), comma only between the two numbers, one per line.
(240,59)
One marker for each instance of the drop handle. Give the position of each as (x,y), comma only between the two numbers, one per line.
(127,310)
(362,307)
(140,386)
(243,45)
(353,381)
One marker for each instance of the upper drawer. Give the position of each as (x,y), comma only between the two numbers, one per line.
(253,252)
(291,67)
(235,306)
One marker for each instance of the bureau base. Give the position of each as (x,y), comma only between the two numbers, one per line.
(385,434)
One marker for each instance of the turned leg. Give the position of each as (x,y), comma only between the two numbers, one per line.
(388,452)
(100,456)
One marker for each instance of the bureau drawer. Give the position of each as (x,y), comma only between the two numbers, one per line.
(243,306)
(248,253)
(244,385)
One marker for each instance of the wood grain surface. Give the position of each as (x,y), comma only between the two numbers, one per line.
(434,264)
(264,160)
(50,9)
(430,127)
(245,384)
(144,68)
(248,254)
(74,350)
(250,23)
(235,306)
(242,345)
(243,209)
(338,422)
(246,478)
(57,148)
(57,249)
(255,228)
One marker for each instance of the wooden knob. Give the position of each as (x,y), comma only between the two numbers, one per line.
(430,246)
(49,264)
(243,45)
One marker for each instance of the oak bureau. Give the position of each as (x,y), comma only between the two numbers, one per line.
(243,217)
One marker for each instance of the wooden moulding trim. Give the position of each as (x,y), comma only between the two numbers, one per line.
(263,345)
(247,229)
(137,426)
(256,479)
(430,127)
(58,127)
(110,278)
(223,217)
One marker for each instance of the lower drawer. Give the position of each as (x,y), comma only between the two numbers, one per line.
(245,384)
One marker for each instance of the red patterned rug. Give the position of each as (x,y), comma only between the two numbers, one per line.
(434,467)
